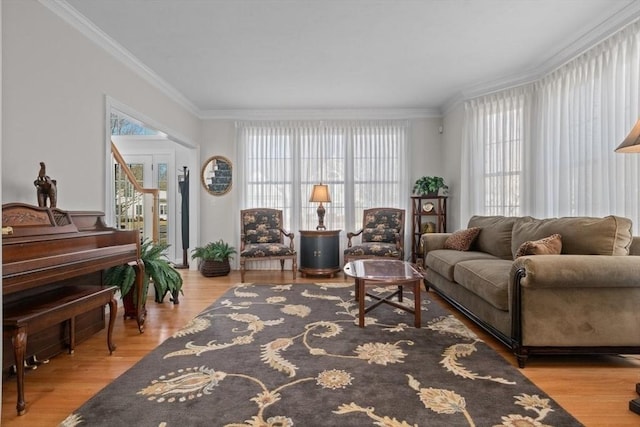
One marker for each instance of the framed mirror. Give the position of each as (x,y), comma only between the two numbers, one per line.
(216,175)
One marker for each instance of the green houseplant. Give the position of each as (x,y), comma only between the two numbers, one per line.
(429,185)
(157,269)
(214,258)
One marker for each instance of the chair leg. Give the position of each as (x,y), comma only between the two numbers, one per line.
(294,267)
(281,265)
(241,271)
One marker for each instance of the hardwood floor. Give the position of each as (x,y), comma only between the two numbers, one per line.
(595,389)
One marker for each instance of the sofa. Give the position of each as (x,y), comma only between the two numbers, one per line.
(566,285)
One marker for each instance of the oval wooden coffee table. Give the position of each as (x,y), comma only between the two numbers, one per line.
(385,272)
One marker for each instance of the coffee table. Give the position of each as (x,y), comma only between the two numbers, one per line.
(384,272)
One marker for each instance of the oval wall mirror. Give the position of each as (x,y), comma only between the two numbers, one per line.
(216,175)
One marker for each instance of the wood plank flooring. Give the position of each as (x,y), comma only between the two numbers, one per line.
(595,389)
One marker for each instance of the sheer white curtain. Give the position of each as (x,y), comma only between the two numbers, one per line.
(570,123)
(496,133)
(364,163)
(585,109)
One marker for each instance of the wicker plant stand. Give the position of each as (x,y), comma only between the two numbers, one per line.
(210,268)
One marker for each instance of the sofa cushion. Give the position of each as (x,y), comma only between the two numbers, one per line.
(495,235)
(442,261)
(462,240)
(551,245)
(610,235)
(489,279)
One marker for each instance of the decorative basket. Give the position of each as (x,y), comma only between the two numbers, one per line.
(210,268)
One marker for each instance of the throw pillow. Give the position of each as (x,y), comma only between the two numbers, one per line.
(462,240)
(551,245)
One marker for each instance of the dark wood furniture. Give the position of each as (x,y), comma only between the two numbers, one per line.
(53,295)
(319,252)
(426,209)
(385,272)
(634,404)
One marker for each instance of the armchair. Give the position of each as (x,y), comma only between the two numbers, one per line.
(262,238)
(381,235)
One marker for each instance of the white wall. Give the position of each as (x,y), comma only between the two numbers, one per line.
(55,81)
(452,153)
(220,217)
(425,148)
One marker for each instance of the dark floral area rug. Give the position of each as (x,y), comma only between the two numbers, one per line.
(285,355)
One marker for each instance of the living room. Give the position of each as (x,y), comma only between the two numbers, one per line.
(54,73)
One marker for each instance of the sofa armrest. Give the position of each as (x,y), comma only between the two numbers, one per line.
(578,271)
(431,242)
(574,303)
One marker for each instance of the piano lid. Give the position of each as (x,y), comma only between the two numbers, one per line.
(29,220)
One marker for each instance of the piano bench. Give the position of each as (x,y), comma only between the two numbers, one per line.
(40,311)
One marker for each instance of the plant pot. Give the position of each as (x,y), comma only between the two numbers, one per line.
(210,268)
(130,309)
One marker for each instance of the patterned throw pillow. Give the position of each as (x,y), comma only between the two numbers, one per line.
(462,240)
(551,245)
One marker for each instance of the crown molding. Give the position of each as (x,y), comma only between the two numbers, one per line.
(623,17)
(70,15)
(317,114)
(620,19)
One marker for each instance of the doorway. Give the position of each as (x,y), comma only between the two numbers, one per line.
(157,160)
(151,171)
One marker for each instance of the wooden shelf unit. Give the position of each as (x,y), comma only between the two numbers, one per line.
(420,217)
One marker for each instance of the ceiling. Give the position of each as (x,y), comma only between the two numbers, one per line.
(222,56)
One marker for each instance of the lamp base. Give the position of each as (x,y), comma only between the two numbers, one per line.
(321,218)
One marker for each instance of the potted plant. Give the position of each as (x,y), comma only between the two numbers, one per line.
(157,269)
(214,258)
(429,186)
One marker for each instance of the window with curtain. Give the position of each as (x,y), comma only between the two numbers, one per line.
(363,163)
(494,153)
(564,129)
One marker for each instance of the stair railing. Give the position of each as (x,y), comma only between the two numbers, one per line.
(132,195)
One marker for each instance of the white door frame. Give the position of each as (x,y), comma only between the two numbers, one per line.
(192,162)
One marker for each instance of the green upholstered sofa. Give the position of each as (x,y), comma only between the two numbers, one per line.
(584,300)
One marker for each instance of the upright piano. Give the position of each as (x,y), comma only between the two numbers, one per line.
(52,288)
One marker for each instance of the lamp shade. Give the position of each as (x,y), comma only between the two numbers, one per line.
(320,193)
(631,143)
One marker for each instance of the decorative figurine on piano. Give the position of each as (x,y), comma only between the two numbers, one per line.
(46,188)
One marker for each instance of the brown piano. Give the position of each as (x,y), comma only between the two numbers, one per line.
(52,290)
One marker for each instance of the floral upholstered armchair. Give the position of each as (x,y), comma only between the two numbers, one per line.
(381,235)
(262,238)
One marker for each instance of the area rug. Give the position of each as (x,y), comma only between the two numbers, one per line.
(285,355)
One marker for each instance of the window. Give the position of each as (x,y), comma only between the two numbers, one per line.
(546,149)
(121,124)
(362,163)
(503,163)
(493,154)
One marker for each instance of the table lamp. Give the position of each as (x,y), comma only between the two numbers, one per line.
(320,194)
(631,143)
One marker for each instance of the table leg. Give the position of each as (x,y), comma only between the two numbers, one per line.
(360,295)
(416,305)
